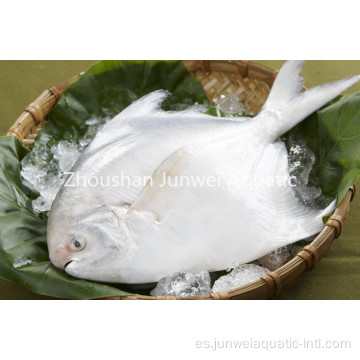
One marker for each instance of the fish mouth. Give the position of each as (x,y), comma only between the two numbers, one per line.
(68,263)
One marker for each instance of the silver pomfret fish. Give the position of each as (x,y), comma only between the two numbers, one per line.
(139,233)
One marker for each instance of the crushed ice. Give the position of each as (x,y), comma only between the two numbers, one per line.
(301,161)
(276,259)
(22,262)
(43,168)
(183,284)
(239,276)
(230,104)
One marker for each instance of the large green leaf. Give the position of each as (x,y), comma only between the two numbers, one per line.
(103,91)
(110,86)
(23,252)
(333,134)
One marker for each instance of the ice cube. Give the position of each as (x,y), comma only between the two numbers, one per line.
(301,161)
(22,261)
(232,267)
(43,168)
(33,176)
(296,249)
(84,141)
(94,122)
(88,136)
(40,205)
(41,172)
(183,284)
(66,153)
(239,276)
(276,259)
(298,246)
(230,104)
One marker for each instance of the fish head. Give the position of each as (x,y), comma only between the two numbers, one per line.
(86,244)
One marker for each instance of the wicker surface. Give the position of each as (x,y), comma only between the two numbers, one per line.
(33,119)
(251,82)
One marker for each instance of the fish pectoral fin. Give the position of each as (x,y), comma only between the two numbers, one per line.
(164,189)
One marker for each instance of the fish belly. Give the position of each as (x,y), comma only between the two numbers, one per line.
(250,212)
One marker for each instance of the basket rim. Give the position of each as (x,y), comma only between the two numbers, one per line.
(33,119)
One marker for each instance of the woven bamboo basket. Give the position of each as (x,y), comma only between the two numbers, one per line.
(251,82)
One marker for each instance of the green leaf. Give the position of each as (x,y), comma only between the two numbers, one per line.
(103,91)
(333,134)
(23,252)
(108,87)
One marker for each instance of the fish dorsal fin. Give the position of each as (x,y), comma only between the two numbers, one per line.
(146,105)
(287,105)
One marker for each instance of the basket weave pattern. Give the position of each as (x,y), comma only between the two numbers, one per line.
(251,82)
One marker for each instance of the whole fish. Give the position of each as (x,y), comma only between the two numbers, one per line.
(192,192)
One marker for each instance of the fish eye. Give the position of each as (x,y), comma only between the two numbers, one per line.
(78,243)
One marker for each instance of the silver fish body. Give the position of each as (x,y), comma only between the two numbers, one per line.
(210,191)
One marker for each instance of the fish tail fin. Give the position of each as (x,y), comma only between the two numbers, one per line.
(287,104)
